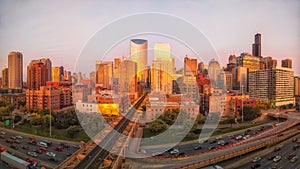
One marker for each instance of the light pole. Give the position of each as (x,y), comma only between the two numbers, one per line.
(242,103)
(50,110)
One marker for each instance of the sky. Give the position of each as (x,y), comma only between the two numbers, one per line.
(60,30)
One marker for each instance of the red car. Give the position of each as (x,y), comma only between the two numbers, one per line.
(43,148)
(58,148)
(276,149)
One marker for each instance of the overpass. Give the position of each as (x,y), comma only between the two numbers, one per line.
(202,159)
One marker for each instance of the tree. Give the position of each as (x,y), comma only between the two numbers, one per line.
(251,113)
(37,120)
(46,120)
(157,125)
(72,131)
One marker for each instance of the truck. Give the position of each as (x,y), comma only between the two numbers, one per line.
(13,161)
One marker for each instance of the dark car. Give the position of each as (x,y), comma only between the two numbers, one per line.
(58,148)
(295,147)
(212,141)
(38,151)
(211,147)
(255,165)
(271,157)
(276,149)
(53,159)
(64,145)
(9,141)
(25,147)
(291,156)
(197,147)
(14,147)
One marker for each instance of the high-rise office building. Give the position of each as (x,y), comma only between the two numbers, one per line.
(269,62)
(117,62)
(162,69)
(256,47)
(139,54)
(286,63)
(228,80)
(104,74)
(37,75)
(56,75)
(5,78)
(128,77)
(15,70)
(47,62)
(201,67)
(248,61)
(190,66)
(214,73)
(275,85)
(231,63)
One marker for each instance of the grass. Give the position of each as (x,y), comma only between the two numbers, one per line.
(60,134)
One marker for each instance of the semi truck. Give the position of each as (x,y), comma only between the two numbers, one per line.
(13,161)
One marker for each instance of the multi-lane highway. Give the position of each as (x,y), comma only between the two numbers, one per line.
(22,147)
(96,157)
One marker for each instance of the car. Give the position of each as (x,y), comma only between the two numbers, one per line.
(212,141)
(171,149)
(49,143)
(197,147)
(157,154)
(32,142)
(19,137)
(218,137)
(9,141)
(25,147)
(38,151)
(291,156)
(211,147)
(203,141)
(53,159)
(14,147)
(175,151)
(43,148)
(32,154)
(295,147)
(256,159)
(271,157)
(255,165)
(2,132)
(143,151)
(17,141)
(232,137)
(277,158)
(295,139)
(64,145)
(31,161)
(276,149)
(42,144)
(279,135)
(50,154)
(77,146)
(69,154)
(246,136)
(238,137)
(221,142)
(13,137)
(58,148)
(2,136)
(294,159)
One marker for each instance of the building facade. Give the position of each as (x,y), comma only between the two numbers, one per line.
(104,74)
(190,66)
(15,70)
(5,78)
(139,54)
(37,75)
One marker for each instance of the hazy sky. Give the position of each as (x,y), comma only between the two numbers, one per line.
(61,29)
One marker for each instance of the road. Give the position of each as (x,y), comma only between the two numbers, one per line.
(61,156)
(284,163)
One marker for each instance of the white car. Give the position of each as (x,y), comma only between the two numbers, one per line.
(174,151)
(42,144)
(256,159)
(19,137)
(246,137)
(238,137)
(218,137)
(277,158)
(50,154)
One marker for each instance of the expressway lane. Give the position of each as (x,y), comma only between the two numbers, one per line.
(96,157)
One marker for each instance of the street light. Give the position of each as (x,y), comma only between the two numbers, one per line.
(50,111)
(242,103)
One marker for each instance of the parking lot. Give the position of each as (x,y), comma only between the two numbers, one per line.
(23,143)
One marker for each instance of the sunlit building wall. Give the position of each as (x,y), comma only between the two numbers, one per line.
(15,70)
(139,54)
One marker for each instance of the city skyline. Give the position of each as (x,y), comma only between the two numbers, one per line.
(58,43)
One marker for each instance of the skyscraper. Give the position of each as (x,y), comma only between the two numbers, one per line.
(214,73)
(269,62)
(286,63)
(128,77)
(190,66)
(37,75)
(201,67)
(139,54)
(47,62)
(248,61)
(56,76)
(104,74)
(5,78)
(15,70)
(256,47)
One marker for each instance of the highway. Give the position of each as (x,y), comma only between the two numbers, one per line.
(96,157)
(284,163)
(41,158)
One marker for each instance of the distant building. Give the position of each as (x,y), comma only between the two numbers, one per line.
(248,61)
(12,96)
(232,63)
(228,80)
(256,47)
(48,64)
(269,62)
(104,74)
(15,70)
(80,92)
(286,63)
(37,75)
(110,109)
(190,66)
(297,89)
(201,67)
(128,78)
(139,54)
(56,76)
(240,79)
(5,78)
(214,73)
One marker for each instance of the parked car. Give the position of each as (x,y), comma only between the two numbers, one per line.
(175,151)
(256,159)
(50,154)
(232,137)
(218,137)
(42,144)
(64,145)
(295,147)
(25,147)
(38,151)
(221,142)
(277,158)
(157,154)
(32,154)
(43,148)
(58,148)
(49,143)
(238,137)
(13,137)
(291,156)
(211,147)
(19,137)
(212,141)
(14,147)
(295,139)
(53,159)
(2,136)
(271,157)
(17,141)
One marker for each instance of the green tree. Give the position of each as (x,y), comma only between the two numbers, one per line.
(46,120)
(251,113)
(37,120)
(157,125)
(72,131)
